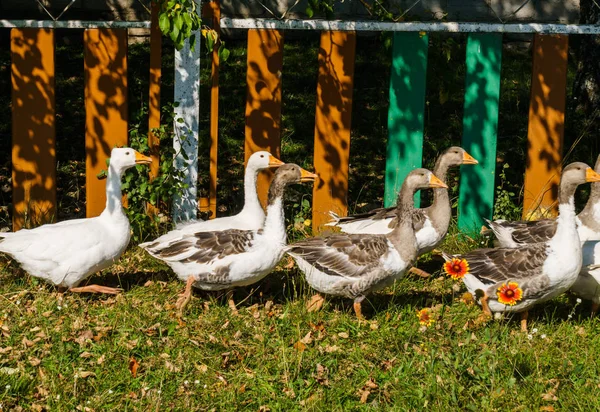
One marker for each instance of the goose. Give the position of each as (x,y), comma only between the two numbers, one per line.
(216,260)
(251,216)
(66,253)
(513,280)
(516,233)
(587,285)
(353,265)
(431,223)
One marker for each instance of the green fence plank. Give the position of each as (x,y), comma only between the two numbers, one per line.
(406,112)
(480,123)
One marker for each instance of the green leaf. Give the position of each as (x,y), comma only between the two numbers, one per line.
(309,12)
(178,21)
(164,23)
(223,53)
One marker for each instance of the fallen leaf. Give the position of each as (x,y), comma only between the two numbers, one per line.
(85,374)
(343,335)
(299,346)
(133,366)
(84,337)
(364,395)
(85,355)
(307,339)
(34,361)
(100,360)
(242,388)
(547,408)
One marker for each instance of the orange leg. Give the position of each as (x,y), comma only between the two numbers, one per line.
(358,307)
(419,272)
(315,303)
(484,304)
(231,302)
(96,289)
(524,316)
(185,297)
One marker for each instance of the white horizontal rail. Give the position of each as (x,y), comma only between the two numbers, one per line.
(342,25)
(74,24)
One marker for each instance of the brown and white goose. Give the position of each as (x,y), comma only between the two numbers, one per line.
(353,265)
(516,233)
(224,259)
(513,280)
(430,224)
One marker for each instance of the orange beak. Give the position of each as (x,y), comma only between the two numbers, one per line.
(435,182)
(591,176)
(274,162)
(468,159)
(140,159)
(306,176)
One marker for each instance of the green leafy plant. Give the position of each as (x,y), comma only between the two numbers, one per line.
(506,205)
(142,191)
(178,20)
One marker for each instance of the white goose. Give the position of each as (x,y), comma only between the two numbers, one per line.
(587,285)
(228,258)
(353,265)
(430,224)
(513,280)
(251,217)
(514,234)
(68,252)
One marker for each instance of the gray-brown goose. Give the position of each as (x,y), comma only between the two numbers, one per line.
(513,280)
(228,258)
(353,265)
(516,233)
(430,224)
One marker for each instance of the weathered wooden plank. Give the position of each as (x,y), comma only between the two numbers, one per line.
(185,143)
(214,112)
(154,94)
(105,63)
(406,111)
(263,102)
(480,123)
(33,127)
(332,125)
(546,125)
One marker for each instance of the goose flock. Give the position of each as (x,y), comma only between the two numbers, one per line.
(534,261)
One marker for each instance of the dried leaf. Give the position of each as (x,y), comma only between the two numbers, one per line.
(299,346)
(343,335)
(100,360)
(364,395)
(133,366)
(84,374)
(85,355)
(548,408)
(84,337)
(307,339)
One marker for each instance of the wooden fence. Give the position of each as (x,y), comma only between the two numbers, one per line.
(33,154)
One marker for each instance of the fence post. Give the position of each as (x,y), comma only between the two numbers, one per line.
(154,95)
(215,8)
(406,111)
(105,62)
(546,125)
(263,102)
(480,124)
(185,143)
(332,125)
(33,127)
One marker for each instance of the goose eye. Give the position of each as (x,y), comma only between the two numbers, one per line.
(126,153)
(262,155)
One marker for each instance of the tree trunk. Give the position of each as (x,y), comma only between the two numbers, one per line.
(587,81)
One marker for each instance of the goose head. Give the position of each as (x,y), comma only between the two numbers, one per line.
(123,158)
(262,160)
(455,156)
(288,174)
(572,176)
(423,179)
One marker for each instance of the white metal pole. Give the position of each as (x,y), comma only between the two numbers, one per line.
(187,86)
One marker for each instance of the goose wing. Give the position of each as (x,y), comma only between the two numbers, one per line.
(342,255)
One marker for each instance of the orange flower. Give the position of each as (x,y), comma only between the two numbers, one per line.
(425,317)
(456,268)
(509,295)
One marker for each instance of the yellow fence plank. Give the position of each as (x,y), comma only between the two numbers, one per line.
(105,62)
(546,125)
(33,127)
(263,102)
(332,125)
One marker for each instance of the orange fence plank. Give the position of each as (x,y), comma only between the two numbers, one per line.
(546,125)
(154,95)
(105,61)
(33,131)
(332,124)
(214,112)
(263,102)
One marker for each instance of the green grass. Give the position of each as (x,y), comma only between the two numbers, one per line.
(77,353)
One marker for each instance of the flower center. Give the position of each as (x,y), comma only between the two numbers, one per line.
(456,268)
(510,293)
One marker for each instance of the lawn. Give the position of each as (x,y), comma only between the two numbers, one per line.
(133,352)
